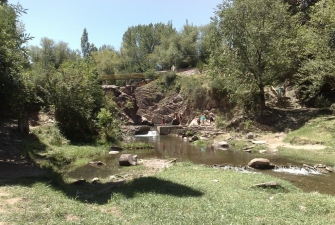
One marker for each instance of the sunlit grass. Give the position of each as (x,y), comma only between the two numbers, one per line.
(320,130)
(182,194)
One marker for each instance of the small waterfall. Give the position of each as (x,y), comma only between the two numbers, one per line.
(297,171)
(151,133)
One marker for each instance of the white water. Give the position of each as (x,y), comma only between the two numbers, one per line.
(297,171)
(151,133)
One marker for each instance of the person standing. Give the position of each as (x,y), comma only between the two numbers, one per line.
(202,119)
(211,118)
(163,120)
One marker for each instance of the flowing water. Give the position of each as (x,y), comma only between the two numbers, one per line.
(173,147)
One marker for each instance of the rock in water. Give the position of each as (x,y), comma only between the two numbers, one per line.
(261,163)
(128,160)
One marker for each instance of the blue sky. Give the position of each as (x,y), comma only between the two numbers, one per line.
(107,20)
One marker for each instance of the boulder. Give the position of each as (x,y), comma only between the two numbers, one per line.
(194,138)
(128,160)
(261,163)
(250,135)
(223,144)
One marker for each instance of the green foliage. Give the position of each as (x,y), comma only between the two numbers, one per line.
(51,54)
(77,97)
(254,45)
(107,61)
(50,135)
(188,45)
(138,44)
(169,78)
(151,74)
(129,104)
(12,60)
(86,47)
(194,91)
(220,121)
(109,126)
(317,72)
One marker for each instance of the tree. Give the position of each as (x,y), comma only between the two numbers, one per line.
(142,46)
(78,97)
(86,47)
(317,72)
(254,44)
(3,2)
(50,53)
(188,45)
(13,60)
(107,61)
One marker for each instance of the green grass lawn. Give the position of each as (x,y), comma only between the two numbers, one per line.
(320,130)
(182,194)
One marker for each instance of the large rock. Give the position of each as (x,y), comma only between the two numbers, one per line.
(128,160)
(124,101)
(222,144)
(261,163)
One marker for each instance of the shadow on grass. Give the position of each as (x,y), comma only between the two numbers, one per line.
(158,186)
(293,119)
(87,192)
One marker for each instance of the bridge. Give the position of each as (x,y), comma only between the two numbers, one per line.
(127,76)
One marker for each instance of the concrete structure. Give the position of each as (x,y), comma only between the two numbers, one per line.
(167,129)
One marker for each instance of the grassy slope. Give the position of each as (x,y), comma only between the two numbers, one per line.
(320,130)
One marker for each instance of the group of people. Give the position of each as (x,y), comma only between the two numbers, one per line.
(176,121)
(201,120)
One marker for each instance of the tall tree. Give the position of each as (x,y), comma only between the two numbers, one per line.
(50,53)
(12,60)
(86,47)
(107,61)
(317,73)
(254,45)
(141,43)
(189,37)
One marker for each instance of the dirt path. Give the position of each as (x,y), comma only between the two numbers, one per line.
(276,140)
(13,163)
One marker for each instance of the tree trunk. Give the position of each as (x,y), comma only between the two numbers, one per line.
(23,124)
(128,160)
(262,98)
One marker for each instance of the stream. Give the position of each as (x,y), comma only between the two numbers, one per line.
(167,146)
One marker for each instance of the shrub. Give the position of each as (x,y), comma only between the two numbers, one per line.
(109,126)
(150,74)
(77,97)
(169,78)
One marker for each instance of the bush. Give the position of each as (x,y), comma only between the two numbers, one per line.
(109,126)
(169,78)
(50,135)
(150,74)
(77,97)
(219,121)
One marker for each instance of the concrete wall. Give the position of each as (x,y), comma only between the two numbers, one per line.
(167,129)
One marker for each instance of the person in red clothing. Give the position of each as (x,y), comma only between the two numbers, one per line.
(163,120)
